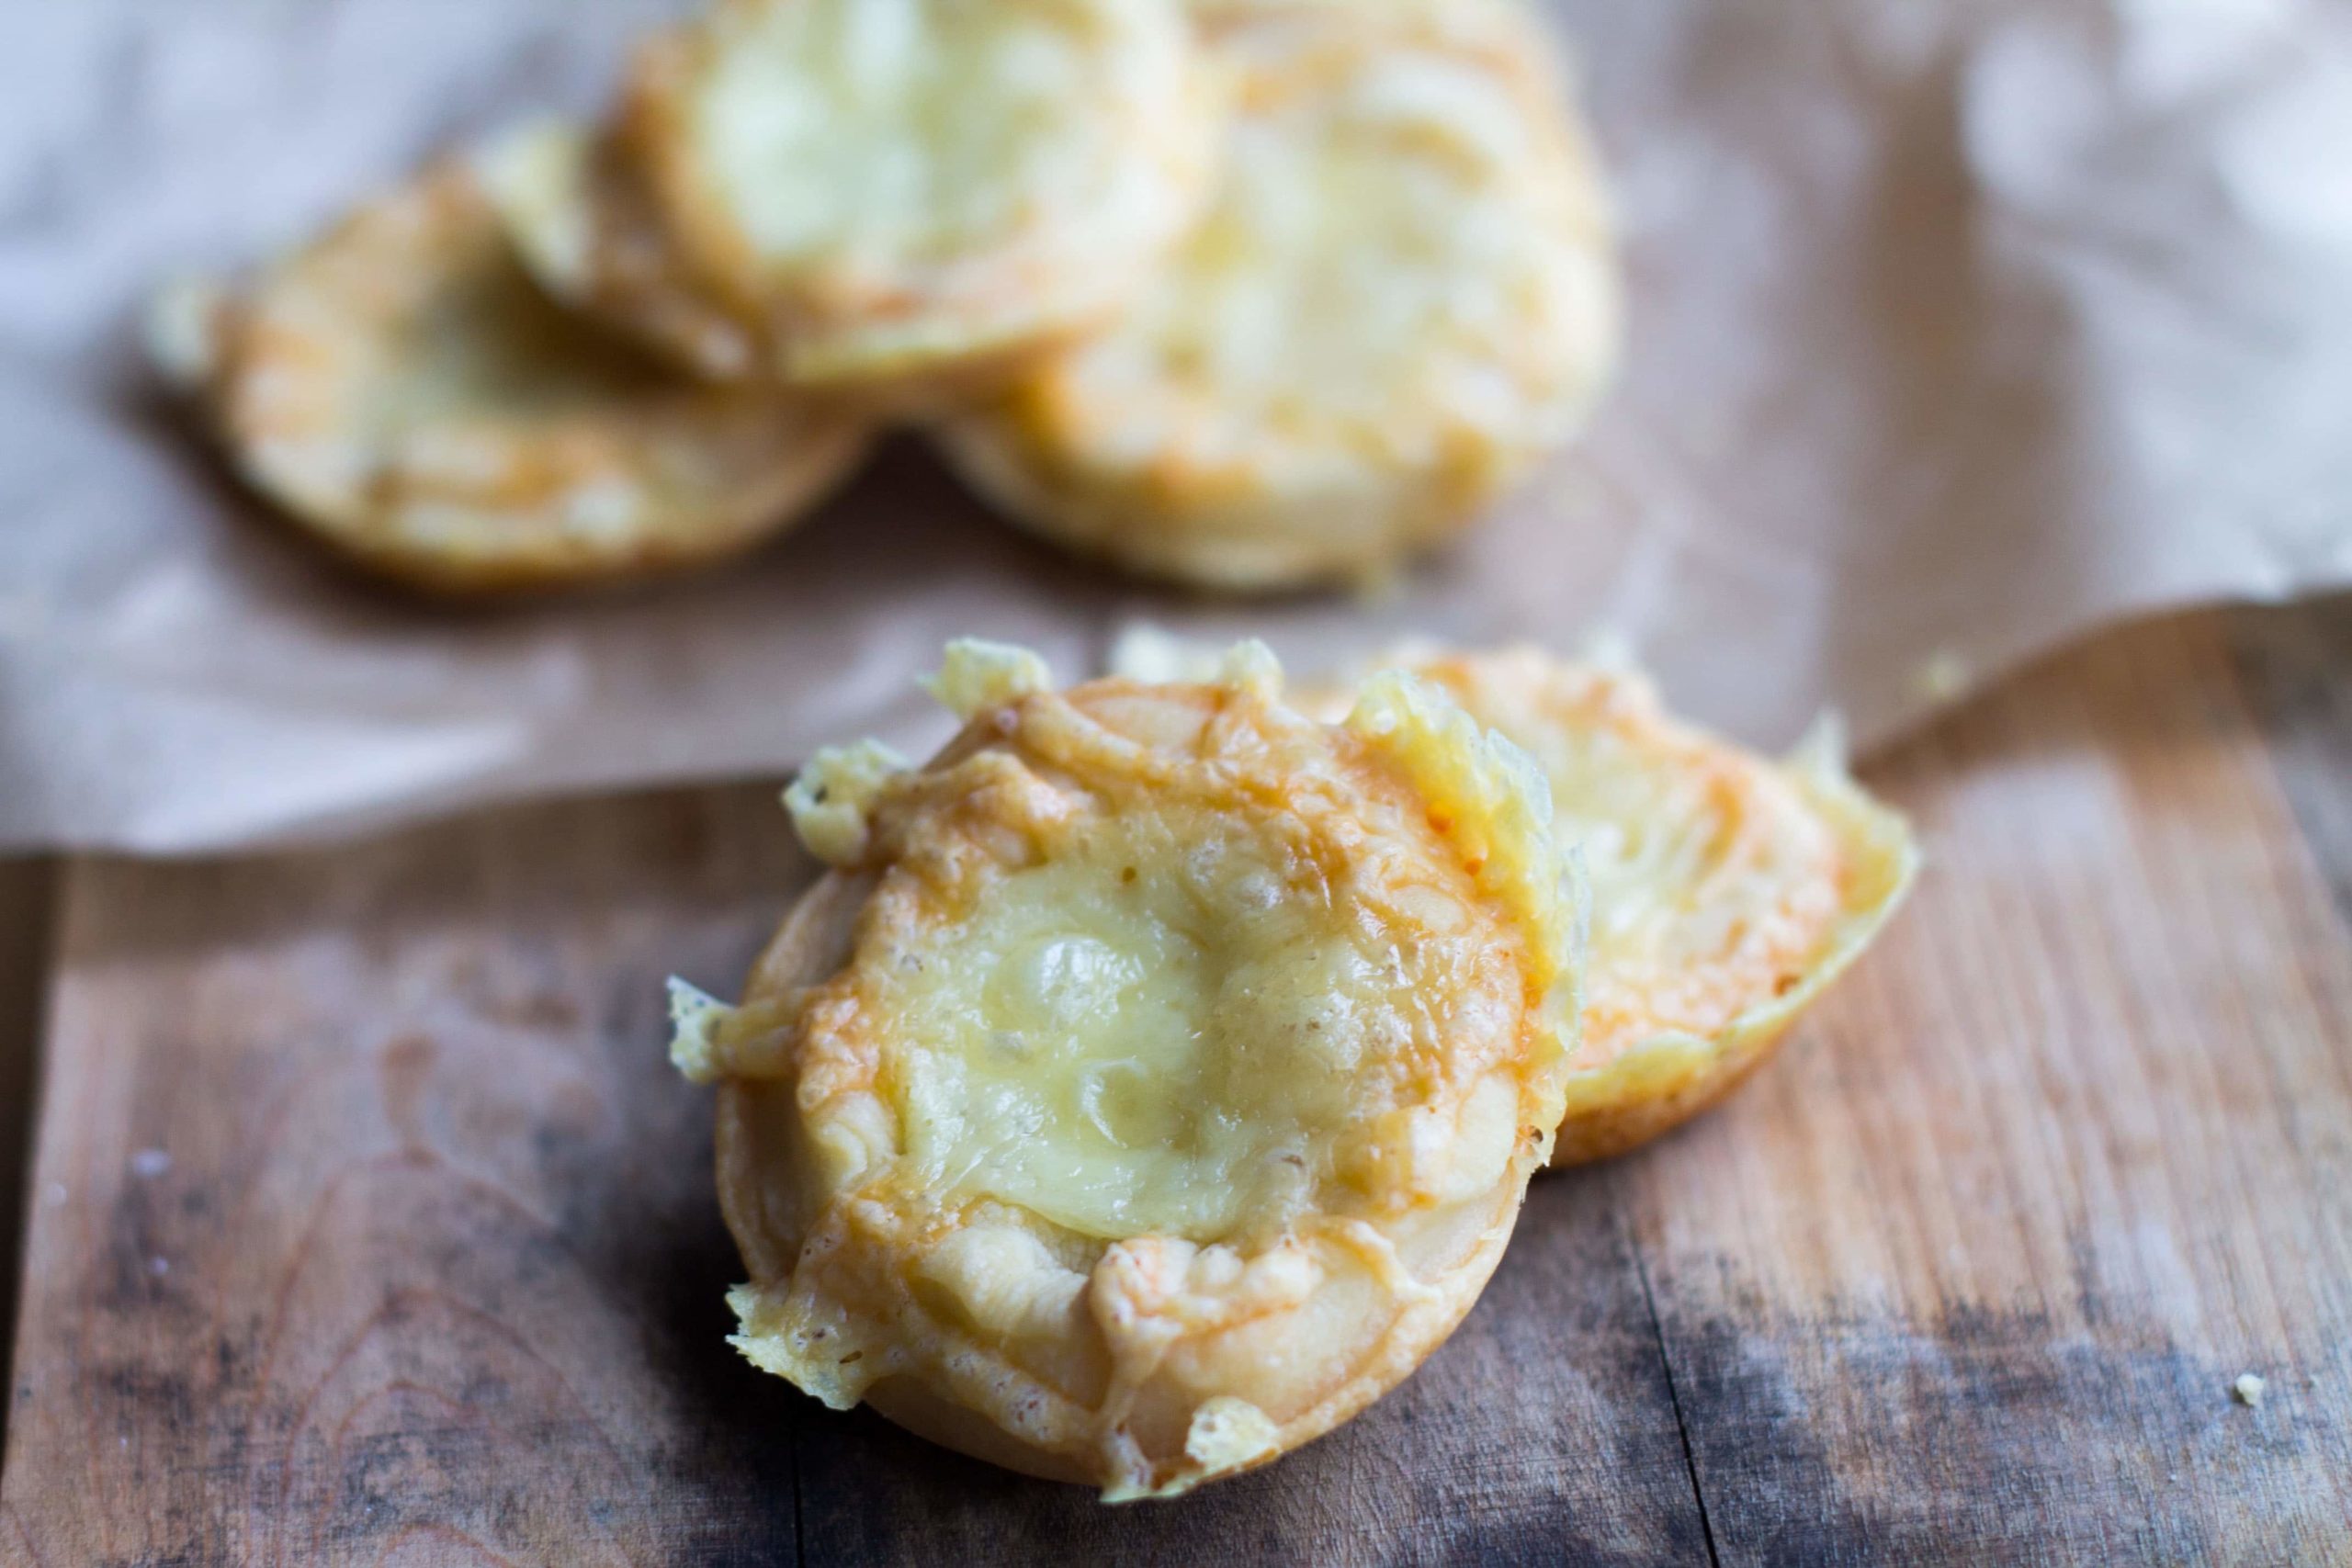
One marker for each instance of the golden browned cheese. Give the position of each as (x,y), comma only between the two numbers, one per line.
(401,390)
(888,195)
(1155,1080)
(1402,298)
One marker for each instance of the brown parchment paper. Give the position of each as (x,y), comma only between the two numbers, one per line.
(1956,328)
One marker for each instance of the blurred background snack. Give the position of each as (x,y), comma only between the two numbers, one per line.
(1250,295)
(1895,418)
(1154,1081)
(401,390)
(886,193)
(1402,299)
(823,210)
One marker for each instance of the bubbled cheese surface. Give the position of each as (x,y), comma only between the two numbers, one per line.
(1165,1028)
(1197,996)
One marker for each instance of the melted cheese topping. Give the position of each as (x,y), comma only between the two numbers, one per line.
(904,127)
(919,178)
(1177,1053)
(1165,1012)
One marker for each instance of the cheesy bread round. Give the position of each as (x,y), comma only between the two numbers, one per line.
(1155,1080)
(890,193)
(1402,298)
(1728,889)
(401,390)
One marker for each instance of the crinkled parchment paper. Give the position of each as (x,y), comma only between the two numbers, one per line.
(1956,328)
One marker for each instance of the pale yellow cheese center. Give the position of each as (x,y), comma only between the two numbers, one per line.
(1169,1027)
(894,130)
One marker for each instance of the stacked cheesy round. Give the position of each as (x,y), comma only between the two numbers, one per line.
(882,191)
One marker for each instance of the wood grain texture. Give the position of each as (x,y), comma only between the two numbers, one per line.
(1969,1275)
(369,1223)
(373,1226)
(370,1226)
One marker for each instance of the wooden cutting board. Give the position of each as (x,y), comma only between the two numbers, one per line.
(368,1224)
